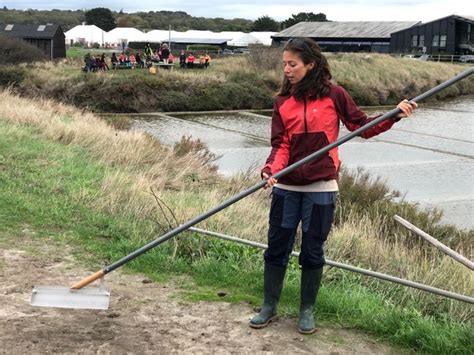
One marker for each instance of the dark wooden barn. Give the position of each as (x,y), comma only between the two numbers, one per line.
(451,35)
(365,36)
(49,38)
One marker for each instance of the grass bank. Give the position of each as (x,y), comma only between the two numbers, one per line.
(245,82)
(67,175)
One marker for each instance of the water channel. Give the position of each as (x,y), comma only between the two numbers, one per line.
(429,158)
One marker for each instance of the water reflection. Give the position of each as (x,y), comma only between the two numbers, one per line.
(429,157)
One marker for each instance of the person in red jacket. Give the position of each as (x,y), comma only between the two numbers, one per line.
(306,117)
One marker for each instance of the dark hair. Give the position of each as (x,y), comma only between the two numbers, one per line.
(316,83)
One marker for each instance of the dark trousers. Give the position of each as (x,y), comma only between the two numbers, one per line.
(315,210)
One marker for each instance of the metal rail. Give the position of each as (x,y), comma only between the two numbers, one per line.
(379,275)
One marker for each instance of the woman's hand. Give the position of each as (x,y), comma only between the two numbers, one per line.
(407,108)
(270,181)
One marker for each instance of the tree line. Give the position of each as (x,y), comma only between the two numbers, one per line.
(159,20)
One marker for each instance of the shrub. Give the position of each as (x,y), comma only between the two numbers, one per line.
(16,51)
(264,58)
(11,75)
(188,145)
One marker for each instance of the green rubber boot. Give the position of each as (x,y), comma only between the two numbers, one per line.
(310,282)
(273,277)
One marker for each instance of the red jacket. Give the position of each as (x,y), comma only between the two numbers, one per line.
(301,127)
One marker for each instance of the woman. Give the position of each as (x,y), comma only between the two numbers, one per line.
(306,118)
(182,59)
(165,53)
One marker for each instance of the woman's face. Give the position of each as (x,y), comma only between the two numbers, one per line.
(294,68)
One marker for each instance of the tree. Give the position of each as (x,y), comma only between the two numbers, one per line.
(304,17)
(101,17)
(133,21)
(266,23)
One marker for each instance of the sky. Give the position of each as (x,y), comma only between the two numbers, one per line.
(335,10)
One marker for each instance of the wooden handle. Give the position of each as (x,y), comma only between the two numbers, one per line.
(444,248)
(88,280)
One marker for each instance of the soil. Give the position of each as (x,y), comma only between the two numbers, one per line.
(143,317)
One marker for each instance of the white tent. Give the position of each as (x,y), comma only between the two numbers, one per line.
(160,35)
(264,38)
(120,35)
(253,38)
(231,35)
(86,34)
(196,34)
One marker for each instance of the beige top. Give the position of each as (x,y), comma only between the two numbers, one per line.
(318,186)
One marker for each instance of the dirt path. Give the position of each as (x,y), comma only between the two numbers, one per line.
(144,317)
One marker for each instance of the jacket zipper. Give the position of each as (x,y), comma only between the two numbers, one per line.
(304,116)
(306,133)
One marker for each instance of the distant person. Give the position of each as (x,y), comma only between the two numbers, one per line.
(148,51)
(207,60)
(182,59)
(122,58)
(91,64)
(165,53)
(139,60)
(306,116)
(155,58)
(158,52)
(114,61)
(190,60)
(132,60)
(103,63)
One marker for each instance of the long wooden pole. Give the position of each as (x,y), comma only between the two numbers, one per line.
(445,249)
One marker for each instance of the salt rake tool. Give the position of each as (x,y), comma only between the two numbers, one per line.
(97,298)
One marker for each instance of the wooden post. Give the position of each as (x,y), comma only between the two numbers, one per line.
(445,249)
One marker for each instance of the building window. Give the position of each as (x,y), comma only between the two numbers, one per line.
(414,41)
(442,41)
(435,41)
(422,41)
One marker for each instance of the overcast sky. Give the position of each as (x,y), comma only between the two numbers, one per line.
(335,10)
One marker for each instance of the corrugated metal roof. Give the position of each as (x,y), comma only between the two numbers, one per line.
(29,30)
(458,17)
(360,29)
(200,40)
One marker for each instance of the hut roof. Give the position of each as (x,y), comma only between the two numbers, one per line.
(359,29)
(30,30)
